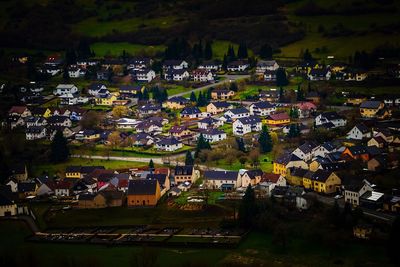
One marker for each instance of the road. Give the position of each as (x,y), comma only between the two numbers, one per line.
(228,78)
(173,160)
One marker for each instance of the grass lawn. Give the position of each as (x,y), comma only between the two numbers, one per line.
(176,89)
(116,49)
(60,167)
(94,28)
(266,163)
(145,152)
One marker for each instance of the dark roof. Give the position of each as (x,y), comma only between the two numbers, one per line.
(87,197)
(299,172)
(250,120)
(221,175)
(221,104)
(168,141)
(160,177)
(308,146)
(362,128)
(190,110)
(332,115)
(286,158)
(208,120)
(263,105)
(57,119)
(184,170)
(26,187)
(254,173)
(142,187)
(240,110)
(358,150)
(321,175)
(211,131)
(178,99)
(370,104)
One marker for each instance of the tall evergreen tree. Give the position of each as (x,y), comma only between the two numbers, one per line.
(225,62)
(281,78)
(233,86)
(265,140)
(208,53)
(189,158)
(242,51)
(151,164)
(59,148)
(231,54)
(307,56)
(201,100)
(193,97)
(70,56)
(248,208)
(202,143)
(266,52)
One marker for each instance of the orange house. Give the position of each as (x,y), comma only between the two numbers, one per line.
(356,152)
(143,192)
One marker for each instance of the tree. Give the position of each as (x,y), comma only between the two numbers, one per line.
(208,53)
(65,74)
(202,143)
(145,95)
(242,51)
(120,111)
(293,131)
(240,144)
(299,94)
(254,156)
(307,56)
(193,97)
(266,51)
(247,209)
(281,78)
(189,158)
(151,164)
(233,86)
(90,120)
(281,94)
(201,100)
(294,112)
(225,62)
(243,160)
(265,140)
(231,54)
(70,56)
(59,148)
(114,139)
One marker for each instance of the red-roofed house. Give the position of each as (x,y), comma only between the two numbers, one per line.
(306,109)
(21,111)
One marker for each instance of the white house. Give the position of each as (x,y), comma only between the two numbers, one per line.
(176,75)
(210,65)
(237,113)
(126,123)
(35,132)
(319,74)
(323,150)
(75,72)
(59,121)
(213,135)
(359,132)
(63,89)
(175,64)
(352,193)
(250,124)
(169,144)
(191,113)
(209,122)
(143,75)
(97,88)
(264,65)
(202,75)
(263,108)
(332,119)
(305,151)
(237,66)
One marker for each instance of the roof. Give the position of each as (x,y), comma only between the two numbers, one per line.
(190,110)
(372,196)
(332,115)
(17,109)
(372,104)
(221,104)
(363,129)
(263,105)
(254,173)
(86,197)
(208,120)
(178,99)
(160,177)
(286,158)
(184,170)
(270,177)
(142,187)
(250,120)
(299,172)
(221,175)
(211,131)
(240,110)
(308,146)
(26,187)
(168,141)
(173,62)
(358,150)
(321,175)
(279,116)
(177,129)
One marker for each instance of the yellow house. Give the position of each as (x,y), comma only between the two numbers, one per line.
(355,100)
(370,109)
(287,161)
(106,100)
(218,107)
(277,119)
(337,67)
(73,172)
(295,176)
(324,181)
(222,94)
(177,102)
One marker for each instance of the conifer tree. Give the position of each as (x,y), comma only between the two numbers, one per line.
(59,148)
(265,140)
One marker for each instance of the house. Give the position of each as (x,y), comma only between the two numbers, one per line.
(218,107)
(149,127)
(143,75)
(370,108)
(52,130)
(377,163)
(139,63)
(19,111)
(223,180)
(76,72)
(113,198)
(266,65)
(262,108)
(91,201)
(391,204)
(355,99)
(306,109)
(331,118)
(237,66)
(8,207)
(175,65)
(323,150)
(202,75)
(78,172)
(292,196)
(130,91)
(126,123)
(180,132)
(149,109)
(142,139)
(322,181)
(163,181)
(305,67)
(62,189)
(317,163)
(246,125)
(377,141)
(277,119)
(143,192)
(19,172)
(237,113)
(305,151)
(65,89)
(251,177)
(176,102)
(26,189)
(210,65)
(15,121)
(359,132)
(41,112)
(103,74)
(209,122)
(357,152)
(185,173)
(190,113)
(363,231)
(46,188)
(212,135)
(176,75)
(56,120)
(372,200)
(271,95)
(105,100)
(357,75)
(35,132)
(271,180)
(319,74)
(286,161)
(222,94)
(87,135)
(96,89)
(169,144)
(298,126)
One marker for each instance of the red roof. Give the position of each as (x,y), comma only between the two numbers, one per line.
(17,109)
(279,116)
(161,171)
(306,105)
(270,177)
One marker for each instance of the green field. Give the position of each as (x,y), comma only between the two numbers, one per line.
(116,49)
(95,28)
(220,48)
